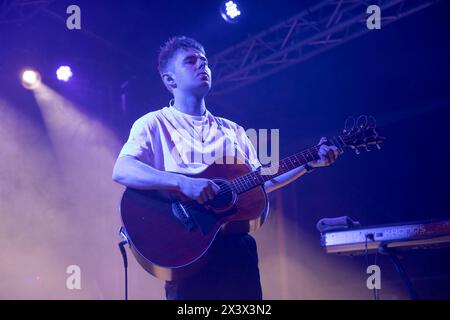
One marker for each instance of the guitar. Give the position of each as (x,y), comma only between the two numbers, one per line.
(172,237)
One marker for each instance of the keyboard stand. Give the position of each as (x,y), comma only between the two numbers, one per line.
(399,267)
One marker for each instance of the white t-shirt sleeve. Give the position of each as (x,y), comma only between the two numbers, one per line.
(139,143)
(248,148)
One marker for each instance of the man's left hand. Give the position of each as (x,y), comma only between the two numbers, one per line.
(327,154)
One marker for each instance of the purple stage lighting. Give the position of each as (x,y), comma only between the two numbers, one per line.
(64,73)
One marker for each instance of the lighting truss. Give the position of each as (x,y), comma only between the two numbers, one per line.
(305,35)
(18,11)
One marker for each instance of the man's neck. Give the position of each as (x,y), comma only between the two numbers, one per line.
(192,105)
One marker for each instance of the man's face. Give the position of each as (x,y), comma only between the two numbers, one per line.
(191,71)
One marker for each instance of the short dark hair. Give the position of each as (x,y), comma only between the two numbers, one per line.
(169,48)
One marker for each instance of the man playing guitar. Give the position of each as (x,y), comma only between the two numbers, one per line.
(158,156)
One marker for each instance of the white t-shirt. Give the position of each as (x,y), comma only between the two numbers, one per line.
(170,140)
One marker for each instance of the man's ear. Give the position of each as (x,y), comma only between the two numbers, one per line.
(169,80)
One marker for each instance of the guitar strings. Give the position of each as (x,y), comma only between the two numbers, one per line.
(240,182)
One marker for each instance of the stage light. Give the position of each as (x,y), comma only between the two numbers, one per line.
(230,11)
(64,73)
(31,79)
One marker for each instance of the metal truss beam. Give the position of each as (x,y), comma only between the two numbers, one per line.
(307,34)
(18,11)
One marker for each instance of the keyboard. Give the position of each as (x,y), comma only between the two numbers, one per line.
(408,236)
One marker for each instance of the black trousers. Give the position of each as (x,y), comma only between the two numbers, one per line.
(232,273)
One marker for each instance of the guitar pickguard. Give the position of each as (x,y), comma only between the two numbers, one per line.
(183,216)
(204,218)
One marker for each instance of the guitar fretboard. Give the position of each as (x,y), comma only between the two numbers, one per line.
(253,179)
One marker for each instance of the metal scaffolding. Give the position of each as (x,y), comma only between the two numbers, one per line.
(18,11)
(307,34)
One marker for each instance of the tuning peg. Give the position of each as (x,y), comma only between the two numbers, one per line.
(349,124)
(367,148)
(357,151)
(378,146)
(372,122)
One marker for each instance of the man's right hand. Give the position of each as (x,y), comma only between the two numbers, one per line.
(198,189)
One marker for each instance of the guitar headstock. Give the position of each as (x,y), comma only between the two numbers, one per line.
(361,133)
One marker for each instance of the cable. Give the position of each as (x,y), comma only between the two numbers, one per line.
(375,290)
(122,244)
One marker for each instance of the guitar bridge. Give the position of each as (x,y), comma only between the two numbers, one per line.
(183,216)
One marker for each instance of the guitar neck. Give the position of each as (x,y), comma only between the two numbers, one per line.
(256,178)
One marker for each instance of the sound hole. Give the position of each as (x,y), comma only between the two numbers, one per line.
(226,197)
